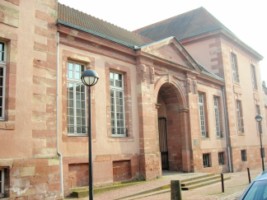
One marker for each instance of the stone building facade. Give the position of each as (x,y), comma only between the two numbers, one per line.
(162,104)
(218,49)
(28,155)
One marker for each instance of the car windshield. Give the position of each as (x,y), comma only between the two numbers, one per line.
(258,191)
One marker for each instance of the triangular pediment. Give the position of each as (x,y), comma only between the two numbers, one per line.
(172,51)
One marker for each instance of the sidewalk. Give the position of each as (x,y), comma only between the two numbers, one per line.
(233,188)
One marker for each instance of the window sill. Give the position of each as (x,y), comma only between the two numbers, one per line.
(77,135)
(121,139)
(5,125)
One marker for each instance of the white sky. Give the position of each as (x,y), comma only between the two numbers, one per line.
(245,18)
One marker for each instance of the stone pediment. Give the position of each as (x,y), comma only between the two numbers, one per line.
(172,51)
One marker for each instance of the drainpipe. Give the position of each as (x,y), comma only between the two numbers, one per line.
(57,123)
(227,132)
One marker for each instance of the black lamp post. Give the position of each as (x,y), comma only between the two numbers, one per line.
(90,78)
(258,118)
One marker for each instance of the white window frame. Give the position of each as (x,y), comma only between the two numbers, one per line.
(74,77)
(239,113)
(115,90)
(217,113)
(202,114)
(2,182)
(235,68)
(3,67)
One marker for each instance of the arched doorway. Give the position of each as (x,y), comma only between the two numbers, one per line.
(170,127)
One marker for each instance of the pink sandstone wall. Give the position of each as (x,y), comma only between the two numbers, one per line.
(28,133)
(216,57)
(108,152)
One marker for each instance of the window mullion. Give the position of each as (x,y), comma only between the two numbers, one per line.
(3,83)
(74,107)
(115,112)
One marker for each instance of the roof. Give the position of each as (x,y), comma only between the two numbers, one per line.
(209,73)
(78,20)
(189,25)
(81,21)
(186,25)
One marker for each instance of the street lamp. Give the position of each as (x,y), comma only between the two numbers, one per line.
(89,78)
(258,118)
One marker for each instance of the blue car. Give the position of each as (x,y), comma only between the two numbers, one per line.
(257,190)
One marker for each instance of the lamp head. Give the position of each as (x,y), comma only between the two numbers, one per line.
(258,118)
(89,77)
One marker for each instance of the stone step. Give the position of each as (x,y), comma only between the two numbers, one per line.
(80,192)
(202,181)
(186,184)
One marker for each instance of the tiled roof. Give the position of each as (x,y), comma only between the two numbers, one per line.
(87,23)
(188,25)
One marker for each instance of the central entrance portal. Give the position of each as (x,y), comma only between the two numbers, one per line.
(170,128)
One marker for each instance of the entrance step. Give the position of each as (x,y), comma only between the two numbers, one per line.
(195,181)
(200,181)
(80,192)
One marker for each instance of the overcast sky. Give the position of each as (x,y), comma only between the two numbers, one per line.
(246,18)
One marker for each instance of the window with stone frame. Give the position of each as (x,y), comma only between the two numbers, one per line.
(4,182)
(244,155)
(206,160)
(221,158)
(218,118)
(239,114)
(117,105)
(254,77)
(2,79)
(234,68)
(76,100)
(202,107)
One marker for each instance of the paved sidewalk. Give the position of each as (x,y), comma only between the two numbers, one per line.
(233,188)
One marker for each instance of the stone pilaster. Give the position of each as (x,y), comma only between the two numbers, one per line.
(150,164)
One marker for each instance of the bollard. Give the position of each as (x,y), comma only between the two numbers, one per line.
(176,193)
(249,178)
(222,180)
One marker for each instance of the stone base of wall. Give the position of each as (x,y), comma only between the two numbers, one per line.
(106,170)
(33,179)
(253,158)
(150,165)
(121,170)
(215,166)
